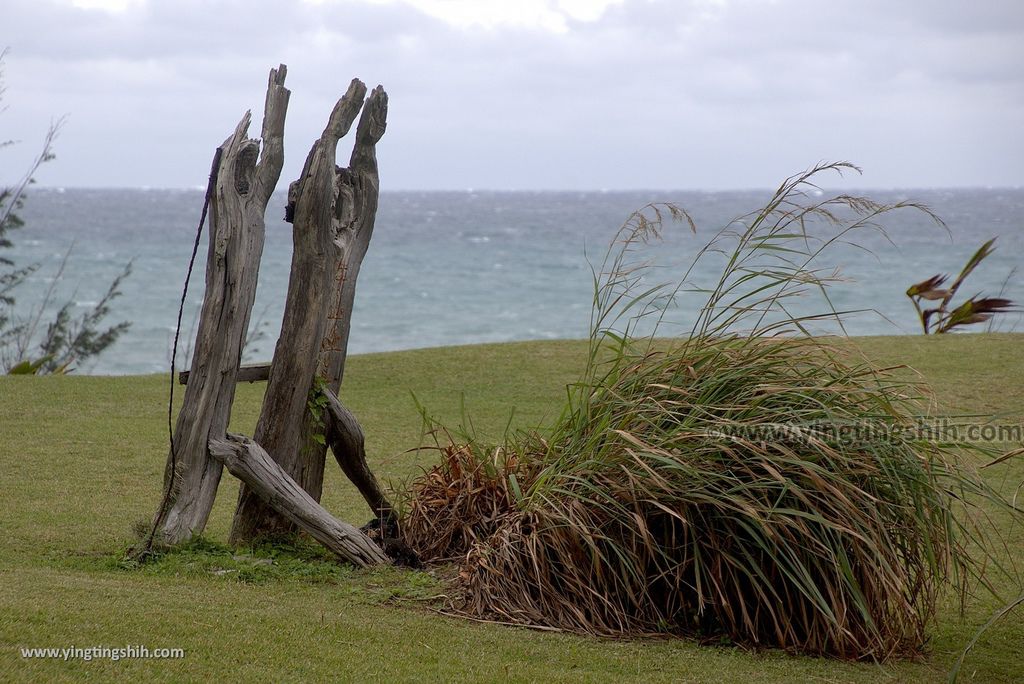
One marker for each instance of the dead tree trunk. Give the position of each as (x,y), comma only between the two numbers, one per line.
(247,461)
(242,189)
(332,211)
(358,189)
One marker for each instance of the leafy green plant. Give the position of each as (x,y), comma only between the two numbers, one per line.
(66,339)
(317,404)
(37,367)
(26,344)
(748,481)
(977,309)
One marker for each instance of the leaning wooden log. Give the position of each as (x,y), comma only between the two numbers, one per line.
(345,438)
(241,188)
(253,373)
(250,463)
(332,210)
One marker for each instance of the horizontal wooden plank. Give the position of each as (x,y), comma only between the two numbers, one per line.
(254,373)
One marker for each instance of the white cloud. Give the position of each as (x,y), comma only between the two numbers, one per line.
(585,10)
(535,93)
(548,15)
(106,5)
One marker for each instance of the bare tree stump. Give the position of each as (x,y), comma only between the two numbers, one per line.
(243,187)
(332,210)
(250,463)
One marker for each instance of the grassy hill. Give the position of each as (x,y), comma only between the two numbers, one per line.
(81,461)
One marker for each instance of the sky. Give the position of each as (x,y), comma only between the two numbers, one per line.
(528,94)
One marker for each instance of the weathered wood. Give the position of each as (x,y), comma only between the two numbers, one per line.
(332,210)
(358,190)
(249,462)
(345,437)
(252,373)
(243,186)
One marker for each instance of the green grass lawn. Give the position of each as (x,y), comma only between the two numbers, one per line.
(81,460)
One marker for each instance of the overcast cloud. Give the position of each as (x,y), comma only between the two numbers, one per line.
(534,94)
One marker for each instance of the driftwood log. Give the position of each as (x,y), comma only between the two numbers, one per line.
(332,212)
(242,185)
(250,463)
(345,438)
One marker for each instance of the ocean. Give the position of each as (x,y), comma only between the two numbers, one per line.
(448,268)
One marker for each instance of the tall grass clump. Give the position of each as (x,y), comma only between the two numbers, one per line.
(747,480)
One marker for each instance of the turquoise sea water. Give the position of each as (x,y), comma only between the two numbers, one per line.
(464,267)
